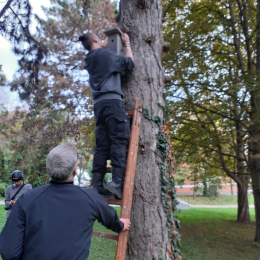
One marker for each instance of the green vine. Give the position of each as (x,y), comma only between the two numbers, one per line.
(168,195)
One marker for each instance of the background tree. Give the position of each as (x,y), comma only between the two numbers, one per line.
(215,66)
(60,103)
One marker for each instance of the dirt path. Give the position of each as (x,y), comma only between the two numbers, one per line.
(218,206)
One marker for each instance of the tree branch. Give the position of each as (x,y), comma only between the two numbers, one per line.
(5,8)
(236,41)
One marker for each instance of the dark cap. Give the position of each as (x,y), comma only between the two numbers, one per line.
(17,175)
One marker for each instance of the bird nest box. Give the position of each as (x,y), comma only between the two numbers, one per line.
(115,40)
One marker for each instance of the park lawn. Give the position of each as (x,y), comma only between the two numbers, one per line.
(207,234)
(2,198)
(213,234)
(101,248)
(222,200)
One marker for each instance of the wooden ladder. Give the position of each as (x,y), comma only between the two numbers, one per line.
(126,202)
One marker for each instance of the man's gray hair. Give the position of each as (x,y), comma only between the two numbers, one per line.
(62,161)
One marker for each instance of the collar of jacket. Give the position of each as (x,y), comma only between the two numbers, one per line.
(14,186)
(56,182)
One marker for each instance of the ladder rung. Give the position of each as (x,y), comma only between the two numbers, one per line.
(130,113)
(109,169)
(111,201)
(104,235)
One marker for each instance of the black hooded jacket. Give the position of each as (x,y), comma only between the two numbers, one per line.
(104,67)
(55,221)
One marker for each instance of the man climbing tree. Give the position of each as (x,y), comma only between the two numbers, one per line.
(112,124)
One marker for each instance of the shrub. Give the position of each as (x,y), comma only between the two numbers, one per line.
(3,186)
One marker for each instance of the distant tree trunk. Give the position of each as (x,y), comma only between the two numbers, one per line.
(254,141)
(254,148)
(194,189)
(231,187)
(2,160)
(142,20)
(243,215)
(205,188)
(242,183)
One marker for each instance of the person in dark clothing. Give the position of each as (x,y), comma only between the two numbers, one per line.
(17,189)
(112,124)
(55,221)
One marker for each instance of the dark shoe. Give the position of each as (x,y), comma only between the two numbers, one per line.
(104,193)
(116,185)
(97,184)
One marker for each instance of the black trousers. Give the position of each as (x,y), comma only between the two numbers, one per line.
(112,134)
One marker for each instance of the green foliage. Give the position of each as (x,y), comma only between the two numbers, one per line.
(60,107)
(3,186)
(31,160)
(160,256)
(107,177)
(213,81)
(181,174)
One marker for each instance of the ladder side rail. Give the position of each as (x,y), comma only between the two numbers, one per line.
(126,205)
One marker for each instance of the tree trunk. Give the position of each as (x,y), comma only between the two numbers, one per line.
(142,20)
(243,215)
(254,141)
(2,164)
(194,186)
(231,187)
(242,182)
(205,188)
(254,157)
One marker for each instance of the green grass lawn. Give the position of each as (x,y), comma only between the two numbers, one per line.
(101,248)
(2,198)
(213,234)
(222,200)
(207,234)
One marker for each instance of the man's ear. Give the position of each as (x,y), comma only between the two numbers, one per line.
(95,38)
(75,172)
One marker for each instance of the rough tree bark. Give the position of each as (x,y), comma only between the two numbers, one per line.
(142,20)
(243,215)
(242,180)
(254,162)
(254,148)
(254,141)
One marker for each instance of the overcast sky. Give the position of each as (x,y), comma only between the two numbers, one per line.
(9,60)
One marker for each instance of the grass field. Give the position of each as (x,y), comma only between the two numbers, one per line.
(207,234)
(213,234)
(2,198)
(222,200)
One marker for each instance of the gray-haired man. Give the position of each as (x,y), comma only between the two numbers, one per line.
(55,221)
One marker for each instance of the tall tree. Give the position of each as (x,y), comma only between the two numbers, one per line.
(152,234)
(216,79)
(60,106)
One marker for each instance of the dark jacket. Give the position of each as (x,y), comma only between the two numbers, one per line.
(104,67)
(55,221)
